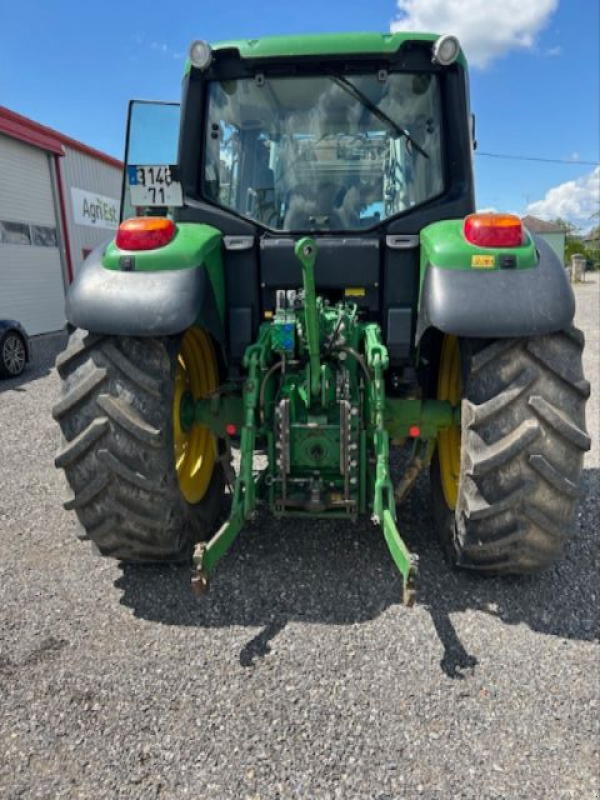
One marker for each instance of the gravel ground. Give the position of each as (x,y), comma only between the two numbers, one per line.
(300,675)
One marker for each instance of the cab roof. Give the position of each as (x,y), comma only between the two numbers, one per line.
(322,44)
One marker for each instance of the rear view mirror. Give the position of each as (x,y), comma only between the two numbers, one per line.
(151,178)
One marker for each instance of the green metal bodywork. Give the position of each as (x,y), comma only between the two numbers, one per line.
(429,416)
(325,44)
(443,244)
(193,245)
(401,415)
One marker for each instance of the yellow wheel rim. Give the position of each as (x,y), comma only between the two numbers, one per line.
(449,388)
(196,376)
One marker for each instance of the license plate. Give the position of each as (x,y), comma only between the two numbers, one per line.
(153,185)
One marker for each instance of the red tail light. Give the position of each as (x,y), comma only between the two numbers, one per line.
(494,230)
(145,233)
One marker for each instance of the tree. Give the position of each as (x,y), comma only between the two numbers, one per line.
(568,227)
(573,243)
(576,247)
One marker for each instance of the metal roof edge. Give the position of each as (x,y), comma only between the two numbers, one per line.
(27,130)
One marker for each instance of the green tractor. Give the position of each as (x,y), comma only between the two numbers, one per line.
(300,274)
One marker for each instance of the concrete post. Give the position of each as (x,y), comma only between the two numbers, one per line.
(577,268)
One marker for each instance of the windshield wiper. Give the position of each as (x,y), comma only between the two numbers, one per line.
(354,91)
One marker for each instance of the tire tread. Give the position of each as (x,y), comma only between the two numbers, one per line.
(523,440)
(117,450)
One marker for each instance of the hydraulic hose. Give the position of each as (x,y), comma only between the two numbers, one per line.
(357,357)
(263,385)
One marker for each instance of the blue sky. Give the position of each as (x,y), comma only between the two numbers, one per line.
(535,75)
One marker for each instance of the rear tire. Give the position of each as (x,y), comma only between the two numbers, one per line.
(116,418)
(521,453)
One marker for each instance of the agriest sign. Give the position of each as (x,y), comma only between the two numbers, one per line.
(94,210)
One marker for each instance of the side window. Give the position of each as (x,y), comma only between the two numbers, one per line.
(223,151)
(23,233)
(240,159)
(229,164)
(14,233)
(43,236)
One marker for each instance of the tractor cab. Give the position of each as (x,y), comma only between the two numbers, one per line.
(360,148)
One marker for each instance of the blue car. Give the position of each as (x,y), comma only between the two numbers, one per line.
(15,348)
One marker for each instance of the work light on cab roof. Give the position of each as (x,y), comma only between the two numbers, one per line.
(200,54)
(446,50)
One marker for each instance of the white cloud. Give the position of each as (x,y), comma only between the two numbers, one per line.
(487,29)
(574,201)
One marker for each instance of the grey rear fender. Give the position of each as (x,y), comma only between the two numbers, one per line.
(130,303)
(498,303)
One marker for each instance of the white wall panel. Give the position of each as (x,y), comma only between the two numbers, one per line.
(25,188)
(31,287)
(31,283)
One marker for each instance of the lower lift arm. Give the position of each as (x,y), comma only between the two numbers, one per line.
(208,554)
(384,507)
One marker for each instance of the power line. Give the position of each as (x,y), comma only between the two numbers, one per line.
(572,162)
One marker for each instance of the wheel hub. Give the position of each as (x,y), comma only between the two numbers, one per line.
(196,376)
(13,354)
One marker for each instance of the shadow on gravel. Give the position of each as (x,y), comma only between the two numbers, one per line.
(44,351)
(335,574)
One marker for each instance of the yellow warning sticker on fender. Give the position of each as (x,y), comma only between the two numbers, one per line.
(483,262)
